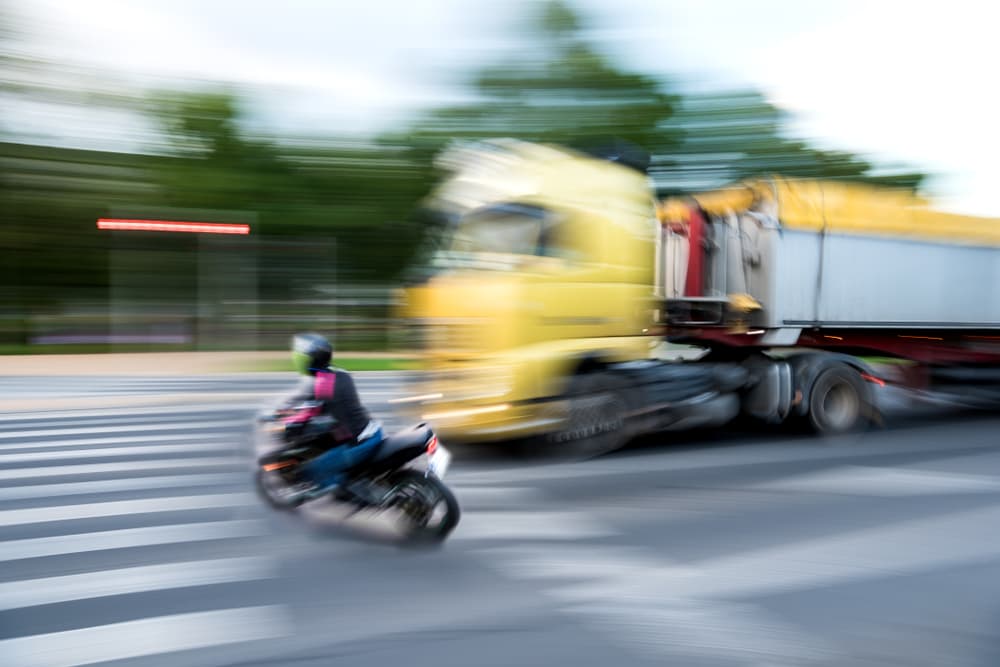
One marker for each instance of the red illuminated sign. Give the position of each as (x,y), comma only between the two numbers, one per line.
(119,224)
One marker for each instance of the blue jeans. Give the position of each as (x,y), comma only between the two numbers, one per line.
(327,469)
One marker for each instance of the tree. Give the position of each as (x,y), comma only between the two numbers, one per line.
(733,135)
(558,89)
(561,90)
(352,197)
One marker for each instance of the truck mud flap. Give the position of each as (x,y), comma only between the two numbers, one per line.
(770,399)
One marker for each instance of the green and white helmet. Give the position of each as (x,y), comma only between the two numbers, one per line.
(311,352)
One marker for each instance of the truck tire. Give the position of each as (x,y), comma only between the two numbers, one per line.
(839,402)
(595,421)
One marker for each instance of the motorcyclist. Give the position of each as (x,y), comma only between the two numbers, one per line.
(326,410)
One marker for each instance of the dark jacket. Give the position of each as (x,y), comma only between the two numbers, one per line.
(339,399)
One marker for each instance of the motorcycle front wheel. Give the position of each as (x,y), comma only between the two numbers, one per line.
(273,491)
(428,507)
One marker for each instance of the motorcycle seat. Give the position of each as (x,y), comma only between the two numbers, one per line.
(398,448)
(415,437)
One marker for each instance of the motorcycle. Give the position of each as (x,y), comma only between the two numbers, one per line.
(404,474)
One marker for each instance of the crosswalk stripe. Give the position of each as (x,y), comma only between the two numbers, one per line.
(115,485)
(139,421)
(882,551)
(891,482)
(714,630)
(617,589)
(105,453)
(140,453)
(614,565)
(202,425)
(139,437)
(872,553)
(475,498)
(116,466)
(148,636)
(130,412)
(140,579)
(528,525)
(17,517)
(127,538)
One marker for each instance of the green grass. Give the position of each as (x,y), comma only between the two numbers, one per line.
(347,363)
(885,361)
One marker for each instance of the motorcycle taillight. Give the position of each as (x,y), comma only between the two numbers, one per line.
(432,445)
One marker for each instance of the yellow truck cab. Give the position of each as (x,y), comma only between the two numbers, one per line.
(548,274)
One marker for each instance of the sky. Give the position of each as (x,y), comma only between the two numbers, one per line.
(902,82)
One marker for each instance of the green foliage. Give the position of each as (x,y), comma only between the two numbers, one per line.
(338,204)
(734,135)
(557,89)
(348,363)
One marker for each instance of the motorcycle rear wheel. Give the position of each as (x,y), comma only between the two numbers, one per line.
(419,497)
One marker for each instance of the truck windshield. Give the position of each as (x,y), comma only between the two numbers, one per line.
(497,235)
(511,229)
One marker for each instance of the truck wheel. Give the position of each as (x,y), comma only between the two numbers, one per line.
(839,402)
(594,419)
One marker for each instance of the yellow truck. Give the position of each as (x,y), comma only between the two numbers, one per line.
(562,276)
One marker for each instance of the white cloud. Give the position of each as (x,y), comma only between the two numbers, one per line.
(352,66)
(911,82)
(906,82)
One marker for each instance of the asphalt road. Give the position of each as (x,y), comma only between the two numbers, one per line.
(131,536)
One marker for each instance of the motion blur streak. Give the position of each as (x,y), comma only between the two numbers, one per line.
(173,211)
(167,226)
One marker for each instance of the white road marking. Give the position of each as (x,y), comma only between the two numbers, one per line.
(117,400)
(29,515)
(131,428)
(248,401)
(528,525)
(744,634)
(891,482)
(110,452)
(117,466)
(606,586)
(493,496)
(618,564)
(131,412)
(138,438)
(127,538)
(982,460)
(148,636)
(904,548)
(115,485)
(138,420)
(125,581)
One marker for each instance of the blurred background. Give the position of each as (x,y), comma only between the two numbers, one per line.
(318,123)
(129,533)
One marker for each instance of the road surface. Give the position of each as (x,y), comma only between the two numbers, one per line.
(130,534)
